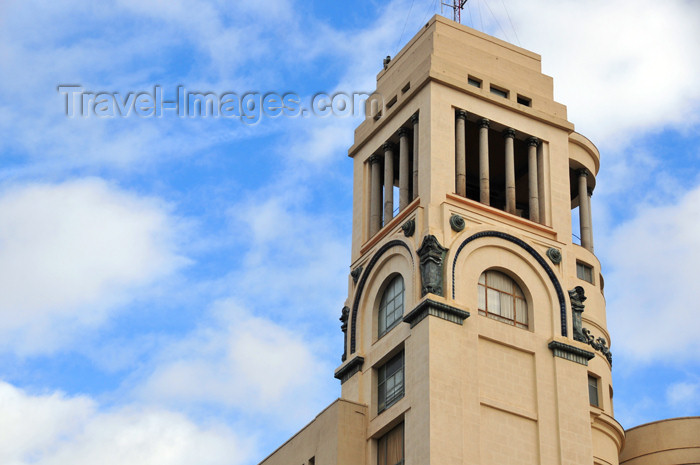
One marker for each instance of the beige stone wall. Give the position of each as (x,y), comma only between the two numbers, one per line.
(335,436)
(666,442)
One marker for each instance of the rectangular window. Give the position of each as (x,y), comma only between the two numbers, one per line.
(498,91)
(390,383)
(472,81)
(390,447)
(524,100)
(593,391)
(584,272)
(392,102)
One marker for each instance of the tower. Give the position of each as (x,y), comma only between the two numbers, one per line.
(475,329)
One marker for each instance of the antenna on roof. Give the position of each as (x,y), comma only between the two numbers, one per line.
(456,6)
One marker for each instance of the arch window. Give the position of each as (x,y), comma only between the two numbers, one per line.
(391,305)
(502,299)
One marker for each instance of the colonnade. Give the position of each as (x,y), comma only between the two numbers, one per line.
(535,167)
(382,207)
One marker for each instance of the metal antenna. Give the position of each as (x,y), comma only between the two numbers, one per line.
(456,6)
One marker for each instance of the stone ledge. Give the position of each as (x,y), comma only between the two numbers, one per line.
(438,309)
(346,372)
(569,352)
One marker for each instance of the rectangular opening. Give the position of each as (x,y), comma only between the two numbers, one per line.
(312,460)
(472,81)
(524,101)
(406,87)
(593,391)
(391,102)
(498,91)
(390,447)
(584,272)
(390,382)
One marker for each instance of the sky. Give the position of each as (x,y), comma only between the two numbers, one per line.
(170,285)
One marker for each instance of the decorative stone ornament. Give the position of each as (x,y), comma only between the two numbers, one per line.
(409,227)
(344,328)
(599,344)
(432,258)
(355,274)
(577,297)
(554,255)
(457,223)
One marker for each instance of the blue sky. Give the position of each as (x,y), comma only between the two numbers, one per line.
(140,256)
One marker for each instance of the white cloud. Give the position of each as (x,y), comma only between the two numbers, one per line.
(70,253)
(244,363)
(290,253)
(53,429)
(622,67)
(652,282)
(684,394)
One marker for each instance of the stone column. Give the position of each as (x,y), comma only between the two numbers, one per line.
(461,153)
(584,210)
(484,189)
(414,187)
(375,195)
(388,182)
(510,171)
(534,205)
(590,219)
(542,191)
(404,173)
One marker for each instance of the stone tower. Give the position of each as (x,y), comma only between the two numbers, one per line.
(475,328)
(475,324)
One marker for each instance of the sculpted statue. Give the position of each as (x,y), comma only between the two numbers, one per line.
(577,297)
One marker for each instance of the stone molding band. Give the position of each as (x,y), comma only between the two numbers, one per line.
(438,309)
(569,352)
(348,371)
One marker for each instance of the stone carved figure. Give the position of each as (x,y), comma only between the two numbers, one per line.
(345,315)
(409,227)
(432,257)
(577,297)
(355,274)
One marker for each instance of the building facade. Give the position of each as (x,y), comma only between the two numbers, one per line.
(475,327)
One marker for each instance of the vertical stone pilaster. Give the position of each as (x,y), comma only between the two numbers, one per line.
(388,182)
(510,170)
(404,172)
(461,153)
(484,188)
(534,203)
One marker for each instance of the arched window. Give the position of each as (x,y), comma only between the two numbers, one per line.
(391,306)
(500,298)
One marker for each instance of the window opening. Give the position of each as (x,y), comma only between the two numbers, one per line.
(390,447)
(593,391)
(584,272)
(390,383)
(500,92)
(524,101)
(472,81)
(391,306)
(502,299)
